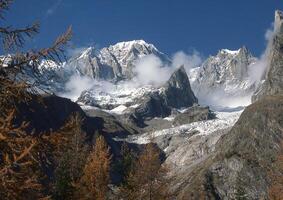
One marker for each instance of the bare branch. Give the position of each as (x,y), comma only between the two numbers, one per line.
(13,38)
(55,52)
(4,6)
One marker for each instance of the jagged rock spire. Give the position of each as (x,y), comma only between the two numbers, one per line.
(273,84)
(178,92)
(278,24)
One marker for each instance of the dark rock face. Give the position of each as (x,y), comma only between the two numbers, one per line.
(243,157)
(108,124)
(149,107)
(47,113)
(50,113)
(178,92)
(152,106)
(273,84)
(193,114)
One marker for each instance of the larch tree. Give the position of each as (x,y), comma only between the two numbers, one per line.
(19,151)
(71,159)
(147,180)
(96,177)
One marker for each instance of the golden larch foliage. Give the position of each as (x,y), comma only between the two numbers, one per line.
(147,180)
(96,177)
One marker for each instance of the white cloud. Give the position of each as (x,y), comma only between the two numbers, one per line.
(76,85)
(258,69)
(72,52)
(269,33)
(151,70)
(188,60)
(53,8)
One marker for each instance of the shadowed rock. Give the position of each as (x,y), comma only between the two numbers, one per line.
(177,91)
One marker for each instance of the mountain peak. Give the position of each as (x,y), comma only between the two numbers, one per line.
(178,90)
(131,44)
(88,52)
(278,25)
(228,51)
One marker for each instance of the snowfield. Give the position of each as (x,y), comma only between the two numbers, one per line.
(224,120)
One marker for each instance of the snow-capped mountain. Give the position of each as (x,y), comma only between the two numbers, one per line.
(115,62)
(224,75)
(123,55)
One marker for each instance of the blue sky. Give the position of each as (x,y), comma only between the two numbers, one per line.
(171,25)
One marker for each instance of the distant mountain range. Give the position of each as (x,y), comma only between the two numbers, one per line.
(225,74)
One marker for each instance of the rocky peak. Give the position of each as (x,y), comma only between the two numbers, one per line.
(226,65)
(243,51)
(179,78)
(177,90)
(225,73)
(227,52)
(87,53)
(278,25)
(130,50)
(273,84)
(123,55)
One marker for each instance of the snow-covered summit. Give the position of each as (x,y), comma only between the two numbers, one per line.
(113,62)
(128,45)
(88,52)
(224,75)
(227,51)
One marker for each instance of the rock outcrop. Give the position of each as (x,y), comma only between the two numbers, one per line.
(47,113)
(152,106)
(193,114)
(273,84)
(177,92)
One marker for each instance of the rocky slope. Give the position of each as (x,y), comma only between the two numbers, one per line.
(49,113)
(243,158)
(273,84)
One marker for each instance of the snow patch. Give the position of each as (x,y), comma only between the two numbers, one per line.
(224,120)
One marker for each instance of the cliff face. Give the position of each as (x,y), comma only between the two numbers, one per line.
(243,158)
(273,84)
(178,92)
